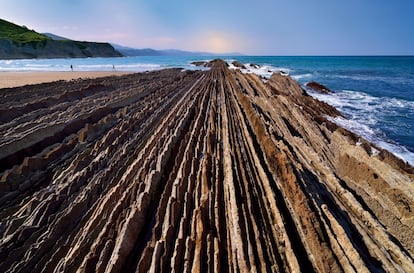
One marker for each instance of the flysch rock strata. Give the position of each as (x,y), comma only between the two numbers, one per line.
(194,171)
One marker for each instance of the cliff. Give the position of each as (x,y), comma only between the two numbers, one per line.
(194,171)
(18,42)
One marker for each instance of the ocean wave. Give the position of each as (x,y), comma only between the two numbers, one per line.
(135,64)
(363,102)
(373,117)
(33,69)
(138,67)
(302,76)
(357,77)
(375,137)
(391,79)
(263,70)
(6,62)
(39,65)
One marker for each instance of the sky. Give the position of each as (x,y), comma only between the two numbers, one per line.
(260,27)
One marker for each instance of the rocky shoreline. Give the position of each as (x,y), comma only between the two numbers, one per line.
(194,171)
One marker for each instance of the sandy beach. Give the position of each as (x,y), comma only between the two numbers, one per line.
(14,79)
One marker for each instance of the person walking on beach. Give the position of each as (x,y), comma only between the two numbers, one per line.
(71,67)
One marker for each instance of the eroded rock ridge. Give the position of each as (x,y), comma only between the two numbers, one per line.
(194,171)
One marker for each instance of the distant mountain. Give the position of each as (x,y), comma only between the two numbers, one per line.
(129,51)
(19,42)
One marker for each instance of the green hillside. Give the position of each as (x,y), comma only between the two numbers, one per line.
(18,34)
(17,42)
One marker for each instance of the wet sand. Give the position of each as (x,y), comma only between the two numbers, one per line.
(14,79)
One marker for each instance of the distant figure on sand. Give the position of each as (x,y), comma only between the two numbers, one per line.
(71,67)
(113,67)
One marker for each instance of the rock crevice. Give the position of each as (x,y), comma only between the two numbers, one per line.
(194,171)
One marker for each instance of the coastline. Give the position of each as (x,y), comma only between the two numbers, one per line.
(21,78)
(173,145)
(372,99)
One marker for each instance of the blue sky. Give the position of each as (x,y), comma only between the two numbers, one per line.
(261,27)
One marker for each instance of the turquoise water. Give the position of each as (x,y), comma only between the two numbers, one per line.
(376,94)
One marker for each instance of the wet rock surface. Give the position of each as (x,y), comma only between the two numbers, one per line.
(199,63)
(238,64)
(318,87)
(191,171)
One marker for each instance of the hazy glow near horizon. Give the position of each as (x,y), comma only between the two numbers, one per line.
(263,27)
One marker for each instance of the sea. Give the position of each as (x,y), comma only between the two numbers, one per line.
(374,93)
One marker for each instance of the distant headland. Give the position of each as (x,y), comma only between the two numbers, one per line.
(19,42)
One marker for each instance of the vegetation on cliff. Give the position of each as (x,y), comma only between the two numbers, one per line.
(20,34)
(19,42)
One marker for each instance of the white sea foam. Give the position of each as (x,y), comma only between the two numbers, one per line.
(6,62)
(368,133)
(231,66)
(261,70)
(374,136)
(39,65)
(29,68)
(135,64)
(137,67)
(302,76)
(364,112)
(358,77)
(363,102)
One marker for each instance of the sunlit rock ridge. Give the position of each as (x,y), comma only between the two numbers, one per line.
(194,171)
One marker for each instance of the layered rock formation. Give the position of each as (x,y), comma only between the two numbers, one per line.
(179,171)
